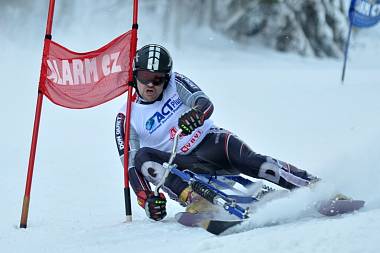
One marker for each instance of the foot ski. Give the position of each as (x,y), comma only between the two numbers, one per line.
(339,206)
(217,227)
(192,219)
(205,220)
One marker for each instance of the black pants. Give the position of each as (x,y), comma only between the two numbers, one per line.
(220,153)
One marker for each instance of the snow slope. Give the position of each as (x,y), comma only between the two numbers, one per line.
(289,107)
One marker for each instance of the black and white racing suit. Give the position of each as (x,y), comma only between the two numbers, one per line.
(209,149)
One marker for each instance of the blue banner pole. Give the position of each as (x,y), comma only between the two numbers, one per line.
(346,52)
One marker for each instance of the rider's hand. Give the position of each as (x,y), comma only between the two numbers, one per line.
(190,120)
(155,206)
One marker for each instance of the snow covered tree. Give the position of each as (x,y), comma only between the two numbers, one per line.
(308,27)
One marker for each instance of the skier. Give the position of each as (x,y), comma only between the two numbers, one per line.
(168,101)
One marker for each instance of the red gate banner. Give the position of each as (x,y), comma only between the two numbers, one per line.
(83,80)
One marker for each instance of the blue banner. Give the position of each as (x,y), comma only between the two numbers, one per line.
(364,13)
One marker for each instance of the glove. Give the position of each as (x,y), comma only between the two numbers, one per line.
(190,120)
(155,206)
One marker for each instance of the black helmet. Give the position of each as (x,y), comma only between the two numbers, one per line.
(154,58)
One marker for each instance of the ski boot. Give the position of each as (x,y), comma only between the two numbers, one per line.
(194,203)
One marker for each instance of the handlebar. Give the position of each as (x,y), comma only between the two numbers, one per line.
(174,148)
(168,165)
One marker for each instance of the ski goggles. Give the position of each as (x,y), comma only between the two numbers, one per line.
(146,77)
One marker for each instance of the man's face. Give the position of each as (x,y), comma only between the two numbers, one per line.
(149,92)
(150,85)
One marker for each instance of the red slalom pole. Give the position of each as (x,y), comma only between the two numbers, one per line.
(32,155)
(127,192)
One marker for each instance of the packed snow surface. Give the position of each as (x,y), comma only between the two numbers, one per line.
(286,106)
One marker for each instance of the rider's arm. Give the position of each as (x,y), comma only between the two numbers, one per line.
(192,96)
(137,180)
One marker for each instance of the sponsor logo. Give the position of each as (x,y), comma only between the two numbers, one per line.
(161,116)
(149,124)
(191,142)
(118,132)
(83,71)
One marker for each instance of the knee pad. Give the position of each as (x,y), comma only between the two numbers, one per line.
(148,165)
(152,171)
(283,174)
(270,170)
